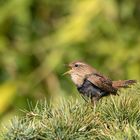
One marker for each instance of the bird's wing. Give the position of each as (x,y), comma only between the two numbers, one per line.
(102,82)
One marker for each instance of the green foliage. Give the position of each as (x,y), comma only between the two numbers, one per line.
(113,118)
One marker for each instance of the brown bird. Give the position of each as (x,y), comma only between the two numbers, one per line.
(92,83)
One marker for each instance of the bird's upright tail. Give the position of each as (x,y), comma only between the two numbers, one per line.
(123,83)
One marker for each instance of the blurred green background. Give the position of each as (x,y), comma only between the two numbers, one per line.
(37,37)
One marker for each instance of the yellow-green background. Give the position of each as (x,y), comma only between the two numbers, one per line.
(37,37)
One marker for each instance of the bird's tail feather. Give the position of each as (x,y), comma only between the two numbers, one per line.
(123,83)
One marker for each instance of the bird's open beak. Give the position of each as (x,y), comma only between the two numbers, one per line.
(69,71)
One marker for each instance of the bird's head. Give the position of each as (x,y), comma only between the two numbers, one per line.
(78,71)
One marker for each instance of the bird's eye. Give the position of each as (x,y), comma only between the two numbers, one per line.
(76,65)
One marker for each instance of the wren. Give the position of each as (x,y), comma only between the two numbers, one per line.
(93,84)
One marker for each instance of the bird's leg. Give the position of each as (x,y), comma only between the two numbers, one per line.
(94,100)
(84,98)
(95,96)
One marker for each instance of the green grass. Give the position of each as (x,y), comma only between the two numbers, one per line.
(114,118)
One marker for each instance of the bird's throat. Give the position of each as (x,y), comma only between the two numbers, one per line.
(77,79)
